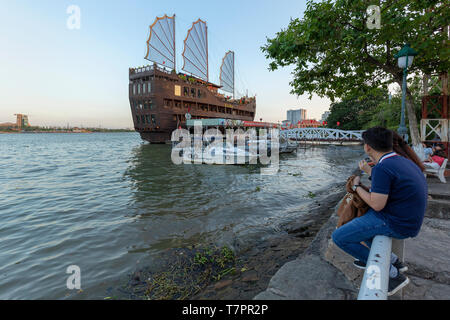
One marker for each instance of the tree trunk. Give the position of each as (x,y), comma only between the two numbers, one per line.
(409,105)
(413,127)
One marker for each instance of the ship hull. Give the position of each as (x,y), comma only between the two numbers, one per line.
(160,101)
(156,137)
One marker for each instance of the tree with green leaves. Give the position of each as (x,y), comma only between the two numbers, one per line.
(336,54)
(354,112)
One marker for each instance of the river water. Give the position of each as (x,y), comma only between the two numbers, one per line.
(108,203)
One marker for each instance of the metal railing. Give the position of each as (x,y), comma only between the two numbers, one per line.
(148,68)
(375,283)
(324,134)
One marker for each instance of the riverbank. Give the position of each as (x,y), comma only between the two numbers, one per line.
(253,265)
(81,131)
(262,260)
(40,132)
(324,271)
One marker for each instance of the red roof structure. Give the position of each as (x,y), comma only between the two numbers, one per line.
(309,124)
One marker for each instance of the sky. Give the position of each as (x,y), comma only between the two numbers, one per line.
(60,76)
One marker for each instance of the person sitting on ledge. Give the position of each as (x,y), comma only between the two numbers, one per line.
(397,201)
(435,160)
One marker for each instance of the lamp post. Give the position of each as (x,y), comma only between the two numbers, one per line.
(405,59)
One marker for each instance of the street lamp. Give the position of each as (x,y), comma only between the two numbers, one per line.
(405,59)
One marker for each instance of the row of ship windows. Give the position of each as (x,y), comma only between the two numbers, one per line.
(146,87)
(192,92)
(205,107)
(145,105)
(146,119)
(142,88)
(149,105)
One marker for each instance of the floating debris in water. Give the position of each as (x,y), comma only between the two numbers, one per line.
(189,271)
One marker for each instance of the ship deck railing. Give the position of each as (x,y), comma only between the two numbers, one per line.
(148,69)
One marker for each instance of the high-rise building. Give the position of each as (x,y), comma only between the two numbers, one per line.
(296,116)
(22,121)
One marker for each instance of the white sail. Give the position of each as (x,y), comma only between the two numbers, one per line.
(161,42)
(195,54)
(227,72)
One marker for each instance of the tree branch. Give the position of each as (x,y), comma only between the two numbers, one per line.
(388,68)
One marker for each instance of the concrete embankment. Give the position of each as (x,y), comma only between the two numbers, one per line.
(325,272)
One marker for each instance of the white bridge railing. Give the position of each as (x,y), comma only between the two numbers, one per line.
(323,134)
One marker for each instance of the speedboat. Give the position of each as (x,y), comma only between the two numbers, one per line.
(214,153)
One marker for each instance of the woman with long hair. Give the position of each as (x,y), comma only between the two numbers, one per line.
(403,149)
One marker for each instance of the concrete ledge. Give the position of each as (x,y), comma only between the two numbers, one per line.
(423,289)
(438,208)
(427,255)
(437,189)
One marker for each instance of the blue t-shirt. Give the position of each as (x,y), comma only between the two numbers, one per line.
(404,182)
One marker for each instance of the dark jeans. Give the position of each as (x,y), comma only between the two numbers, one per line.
(362,229)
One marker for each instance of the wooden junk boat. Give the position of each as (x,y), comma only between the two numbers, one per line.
(161,99)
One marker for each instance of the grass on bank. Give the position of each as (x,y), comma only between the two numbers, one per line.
(188,272)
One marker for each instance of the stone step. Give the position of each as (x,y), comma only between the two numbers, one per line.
(437,189)
(438,208)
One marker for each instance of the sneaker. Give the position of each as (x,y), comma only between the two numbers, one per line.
(397,283)
(398,264)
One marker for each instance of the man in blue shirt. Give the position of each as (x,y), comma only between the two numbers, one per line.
(397,201)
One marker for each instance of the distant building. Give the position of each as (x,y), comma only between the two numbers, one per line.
(22,121)
(296,116)
(325,116)
(7,125)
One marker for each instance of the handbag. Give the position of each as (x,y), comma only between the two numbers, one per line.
(352,206)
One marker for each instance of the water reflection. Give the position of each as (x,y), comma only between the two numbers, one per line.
(219,203)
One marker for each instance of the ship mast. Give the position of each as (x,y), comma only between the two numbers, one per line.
(174,47)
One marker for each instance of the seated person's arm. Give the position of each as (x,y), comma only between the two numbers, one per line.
(376,201)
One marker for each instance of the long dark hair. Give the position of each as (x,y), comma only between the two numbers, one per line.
(440,153)
(401,148)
